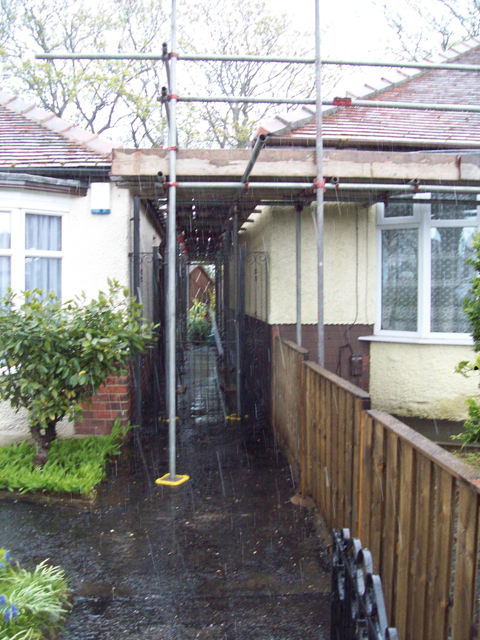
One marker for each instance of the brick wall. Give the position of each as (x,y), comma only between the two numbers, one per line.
(111,401)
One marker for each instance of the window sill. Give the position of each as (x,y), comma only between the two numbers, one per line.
(462,341)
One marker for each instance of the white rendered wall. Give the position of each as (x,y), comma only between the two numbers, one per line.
(94,248)
(420,380)
(406,379)
(349,281)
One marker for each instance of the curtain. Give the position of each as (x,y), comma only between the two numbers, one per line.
(399,279)
(4,274)
(43,233)
(44,274)
(5,230)
(451,275)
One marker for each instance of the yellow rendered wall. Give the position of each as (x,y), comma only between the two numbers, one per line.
(420,380)
(349,282)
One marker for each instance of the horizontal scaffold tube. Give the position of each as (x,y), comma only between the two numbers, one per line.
(333,103)
(351,186)
(220,58)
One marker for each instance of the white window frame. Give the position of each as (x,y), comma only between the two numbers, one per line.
(19,204)
(421,220)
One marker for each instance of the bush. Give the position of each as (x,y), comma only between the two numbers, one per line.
(198,321)
(76,465)
(55,356)
(33,604)
(471,307)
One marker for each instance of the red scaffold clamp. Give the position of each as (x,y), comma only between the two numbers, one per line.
(320,185)
(173,96)
(172,54)
(247,185)
(342,102)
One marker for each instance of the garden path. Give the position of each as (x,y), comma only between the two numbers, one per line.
(225,556)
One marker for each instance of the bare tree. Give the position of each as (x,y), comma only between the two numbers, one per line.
(421,27)
(119,98)
(236,27)
(98,95)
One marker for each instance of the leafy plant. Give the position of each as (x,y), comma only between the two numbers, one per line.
(76,465)
(56,356)
(471,307)
(198,321)
(33,604)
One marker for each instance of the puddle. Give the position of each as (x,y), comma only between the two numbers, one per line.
(226,555)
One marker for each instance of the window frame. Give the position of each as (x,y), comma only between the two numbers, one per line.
(422,221)
(19,204)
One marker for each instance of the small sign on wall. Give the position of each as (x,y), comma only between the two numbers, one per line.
(100,198)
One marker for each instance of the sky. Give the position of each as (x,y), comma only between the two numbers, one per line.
(352,28)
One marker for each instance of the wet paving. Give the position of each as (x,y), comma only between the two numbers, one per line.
(224,556)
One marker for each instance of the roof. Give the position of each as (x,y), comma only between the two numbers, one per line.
(377,127)
(33,138)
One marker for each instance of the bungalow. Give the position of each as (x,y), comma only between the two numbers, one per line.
(65,227)
(395,270)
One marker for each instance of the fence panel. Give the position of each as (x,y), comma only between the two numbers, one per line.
(413,504)
(288,402)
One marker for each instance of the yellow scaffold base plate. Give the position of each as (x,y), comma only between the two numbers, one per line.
(166,480)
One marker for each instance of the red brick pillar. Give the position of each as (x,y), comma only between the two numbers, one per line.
(111,401)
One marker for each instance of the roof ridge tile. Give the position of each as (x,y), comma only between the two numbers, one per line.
(71,133)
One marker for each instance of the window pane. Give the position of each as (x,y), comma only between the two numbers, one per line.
(399,279)
(450,278)
(4,275)
(43,233)
(5,230)
(398,209)
(453,206)
(44,274)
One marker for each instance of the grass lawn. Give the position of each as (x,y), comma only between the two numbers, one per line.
(76,465)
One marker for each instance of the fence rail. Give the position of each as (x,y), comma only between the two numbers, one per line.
(414,505)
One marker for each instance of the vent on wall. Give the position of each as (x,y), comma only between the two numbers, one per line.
(100,198)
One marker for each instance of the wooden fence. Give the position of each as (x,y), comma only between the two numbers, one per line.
(414,505)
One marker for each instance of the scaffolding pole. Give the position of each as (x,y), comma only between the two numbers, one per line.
(136,292)
(298,238)
(319,181)
(330,186)
(275,59)
(171,478)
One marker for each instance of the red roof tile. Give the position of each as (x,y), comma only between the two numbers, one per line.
(32,138)
(386,127)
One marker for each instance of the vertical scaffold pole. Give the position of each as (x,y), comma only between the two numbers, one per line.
(136,293)
(298,237)
(171,478)
(236,283)
(320,185)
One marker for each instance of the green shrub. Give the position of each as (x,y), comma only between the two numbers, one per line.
(471,307)
(198,321)
(76,465)
(55,356)
(33,604)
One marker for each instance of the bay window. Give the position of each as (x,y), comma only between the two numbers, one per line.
(424,243)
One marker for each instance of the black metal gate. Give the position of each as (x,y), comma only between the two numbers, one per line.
(358,606)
